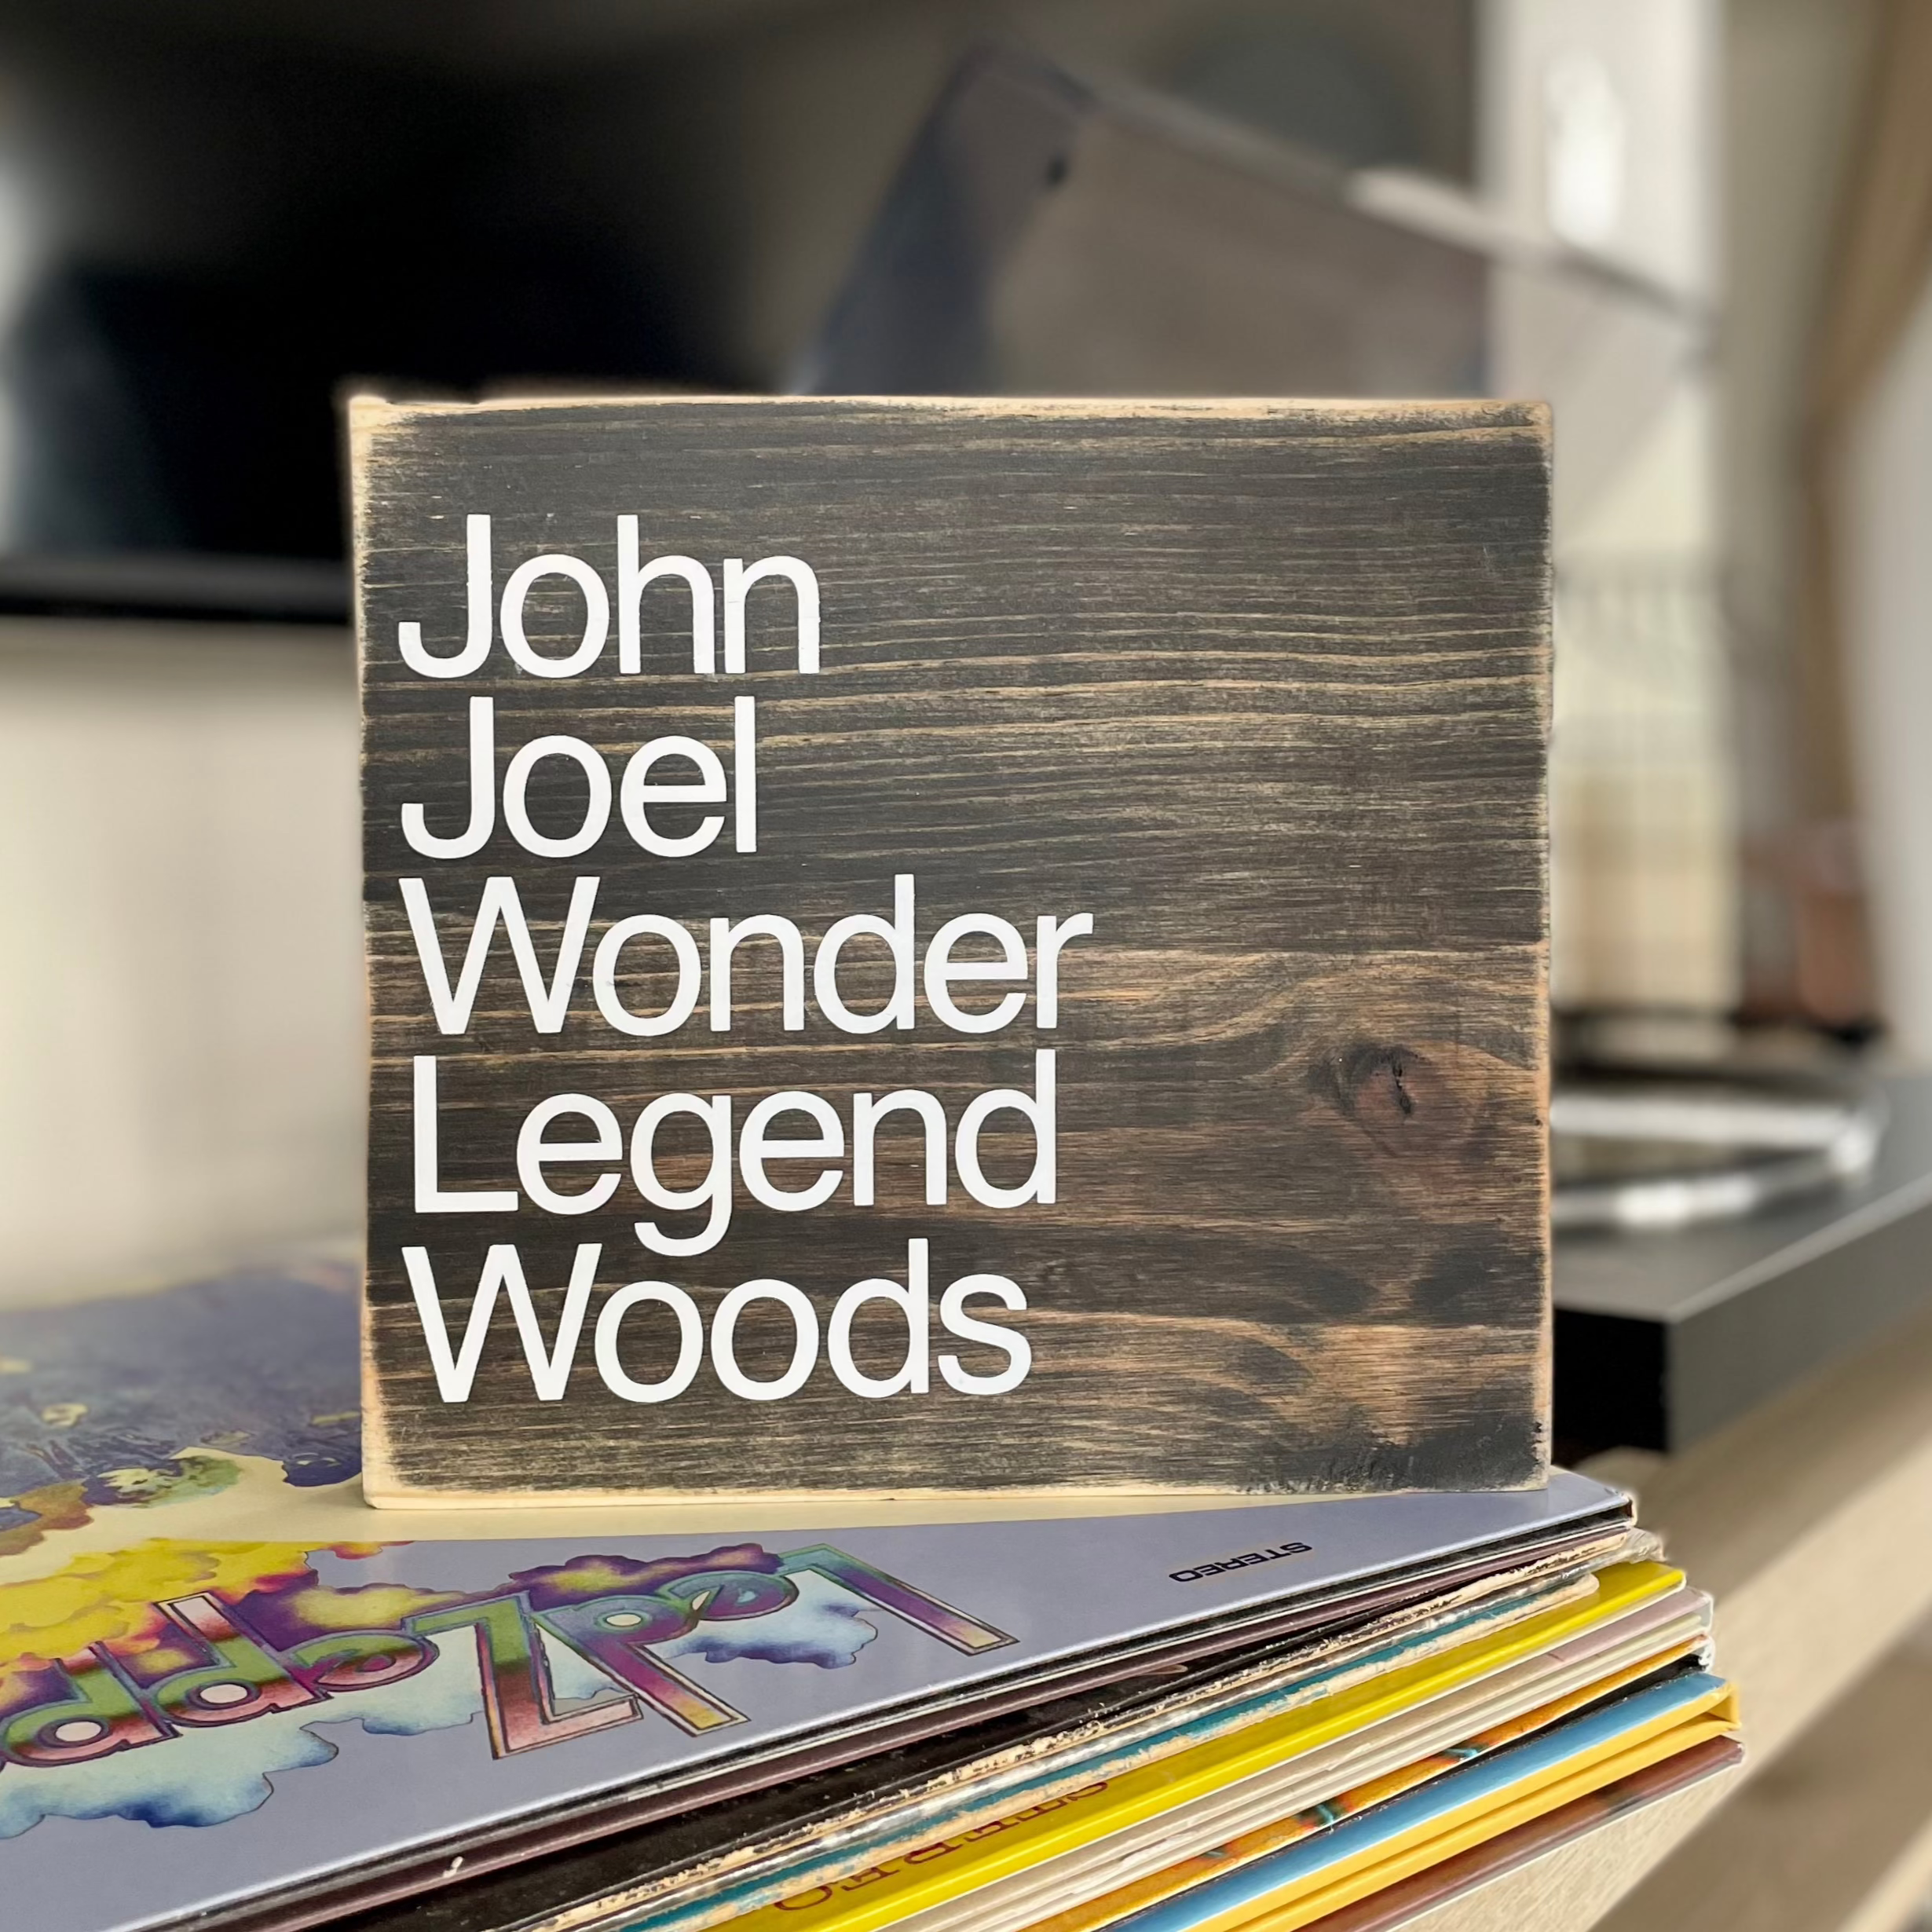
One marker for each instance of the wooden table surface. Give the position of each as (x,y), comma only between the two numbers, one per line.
(1811,1522)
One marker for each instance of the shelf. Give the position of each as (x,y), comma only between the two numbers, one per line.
(1664,1337)
(1811,1523)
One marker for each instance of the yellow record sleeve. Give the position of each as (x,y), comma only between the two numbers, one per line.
(1104,1909)
(947,1868)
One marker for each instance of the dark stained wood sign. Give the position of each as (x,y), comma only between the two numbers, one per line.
(918,946)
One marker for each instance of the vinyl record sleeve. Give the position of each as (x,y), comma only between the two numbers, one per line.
(913,1874)
(1407,1898)
(1526,1805)
(1439,1757)
(1054,1860)
(322,1711)
(740,1821)
(1389,1841)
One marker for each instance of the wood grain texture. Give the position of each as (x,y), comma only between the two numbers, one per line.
(1261,687)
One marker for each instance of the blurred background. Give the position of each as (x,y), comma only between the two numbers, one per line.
(1700,228)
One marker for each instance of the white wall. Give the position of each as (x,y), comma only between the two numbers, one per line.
(1794,75)
(1597,126)
(181,1032)
(1599,131)
(1888,582)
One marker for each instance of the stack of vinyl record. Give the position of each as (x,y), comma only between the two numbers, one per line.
(224,1703)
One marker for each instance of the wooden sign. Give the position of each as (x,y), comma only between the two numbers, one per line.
(922,947)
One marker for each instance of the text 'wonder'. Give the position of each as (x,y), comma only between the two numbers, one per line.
(934,947)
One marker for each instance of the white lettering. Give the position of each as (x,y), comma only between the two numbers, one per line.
(755,1147)
(744,772)
(724,942)
(690,1341)
(953,1318)
(604,975)
(898,935)
(596,808)
(550,1360)
(482,795)
(943,971)
(1050,935)
(724,1326)
(534,1153)
(713,1194)
(738,579)
(911,1377)
(866,1114)
(1039,1185)
(476,644)
(549,1364)
(430,1196)
(548,1003)
(636,794)
(596,616)
(631,581)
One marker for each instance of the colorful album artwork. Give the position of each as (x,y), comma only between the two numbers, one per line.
(170,1665)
